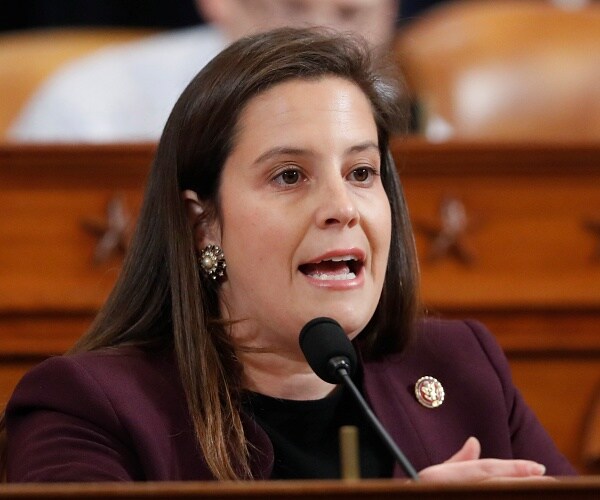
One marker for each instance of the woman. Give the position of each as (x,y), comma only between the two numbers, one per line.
(272,200)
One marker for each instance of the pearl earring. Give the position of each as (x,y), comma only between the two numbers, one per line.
(212,261)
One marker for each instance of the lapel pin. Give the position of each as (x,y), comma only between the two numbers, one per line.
(429,392)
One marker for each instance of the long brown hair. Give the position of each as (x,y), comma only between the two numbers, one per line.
(160,297)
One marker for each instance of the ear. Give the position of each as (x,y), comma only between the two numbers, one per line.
(205,227)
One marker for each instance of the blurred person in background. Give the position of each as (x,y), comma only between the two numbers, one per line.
(124,93)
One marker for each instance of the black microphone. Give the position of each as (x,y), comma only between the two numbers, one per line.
(332,357)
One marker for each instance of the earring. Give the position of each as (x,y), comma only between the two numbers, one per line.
(212,261)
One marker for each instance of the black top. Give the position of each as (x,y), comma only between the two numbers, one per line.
(305,436)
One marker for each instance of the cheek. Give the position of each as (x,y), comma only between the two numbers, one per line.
(380,218)
(387,228)
(385,242)
(381,236)
(254,241)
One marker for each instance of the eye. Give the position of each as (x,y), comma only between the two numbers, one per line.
(288,177)
(362,175)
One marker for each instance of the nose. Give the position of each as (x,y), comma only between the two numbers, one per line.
(337,206)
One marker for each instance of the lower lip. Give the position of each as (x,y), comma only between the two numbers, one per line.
(338,284)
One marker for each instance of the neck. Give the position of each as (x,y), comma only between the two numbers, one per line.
(281,376)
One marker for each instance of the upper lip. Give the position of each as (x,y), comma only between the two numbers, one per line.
(340,254)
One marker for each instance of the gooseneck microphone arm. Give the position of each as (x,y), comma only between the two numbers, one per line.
(332,357)
(340,365)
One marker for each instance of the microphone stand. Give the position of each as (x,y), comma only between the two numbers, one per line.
(341,367)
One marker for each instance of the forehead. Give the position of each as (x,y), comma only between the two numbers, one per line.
(305,105)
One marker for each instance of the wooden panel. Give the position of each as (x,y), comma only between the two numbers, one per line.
(528,209)
(534,331)
(560,392)
(50,265)
(47,195)
(40,333)
(529,240)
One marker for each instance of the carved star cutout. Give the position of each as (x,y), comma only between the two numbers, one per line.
(594,227)
(447,235)
(113,233)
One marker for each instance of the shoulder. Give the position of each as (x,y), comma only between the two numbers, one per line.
(199,43)
(467,342)
(173,50)
(444,331)
(452,340)
(462,354)
(111,414)
(456,336)
(121,92)
(97,383)
(189,48)
(106,363)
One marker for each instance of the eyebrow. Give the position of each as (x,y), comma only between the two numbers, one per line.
(291,151)
(282,151)
(363,146)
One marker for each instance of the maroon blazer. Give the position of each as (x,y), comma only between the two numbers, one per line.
(120,414)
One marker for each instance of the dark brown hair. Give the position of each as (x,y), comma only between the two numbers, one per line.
(160,297)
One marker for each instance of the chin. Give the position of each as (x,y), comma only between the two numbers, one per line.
(352,319)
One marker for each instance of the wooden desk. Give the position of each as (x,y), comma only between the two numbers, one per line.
(530,266)
(580,488)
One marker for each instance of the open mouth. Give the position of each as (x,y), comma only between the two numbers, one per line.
(346,267)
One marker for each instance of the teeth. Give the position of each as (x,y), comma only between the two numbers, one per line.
(334,277)
(342,258)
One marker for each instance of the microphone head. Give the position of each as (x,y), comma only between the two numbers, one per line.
(323,339)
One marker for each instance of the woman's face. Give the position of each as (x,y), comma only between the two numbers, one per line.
(305,222)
